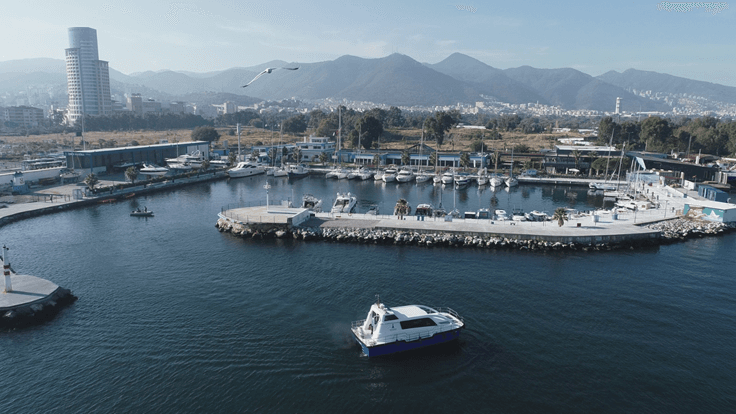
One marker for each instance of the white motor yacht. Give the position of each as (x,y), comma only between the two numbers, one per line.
(389,175)
(344,203)
(153,169)
(245,169)
(389,330)
(405,175)
(448,177)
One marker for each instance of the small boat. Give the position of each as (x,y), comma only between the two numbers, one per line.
(483,214)
(378,176)
(517,214)
(496,181)
(152,169)
(372,210)
(179,166)
(537,216)
(141,213)
(365,174)
(462,181)
(298,171)
(501,215)
(245,169)
(402,328)
(343,173)
(69,174)
(353,174)
(344,203)
(512,182)
(605,186)
(312,203)
(437,179)
(424,210)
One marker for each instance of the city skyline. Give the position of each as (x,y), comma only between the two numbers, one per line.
(683,39)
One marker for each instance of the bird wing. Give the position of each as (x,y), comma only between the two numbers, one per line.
(258,76)
(267,70)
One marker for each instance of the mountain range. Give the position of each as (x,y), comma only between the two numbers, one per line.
(393,80)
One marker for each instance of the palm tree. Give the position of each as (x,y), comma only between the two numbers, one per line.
(205,165)
(297,154)
(232,157)
(376,160)
(405,158)
(560,215)
(464,159)
(255,154)
(576,155)
(433,159)
(91,181)
(402,207)
(132,174)
(323,157)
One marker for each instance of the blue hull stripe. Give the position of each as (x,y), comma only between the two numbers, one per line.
(401,346)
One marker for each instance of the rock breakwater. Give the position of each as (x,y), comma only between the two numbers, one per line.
(407,237)
(682,229)
(36,312)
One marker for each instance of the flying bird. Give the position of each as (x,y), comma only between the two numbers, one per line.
(267,70)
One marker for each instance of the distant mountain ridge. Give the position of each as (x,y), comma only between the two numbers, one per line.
(393,80)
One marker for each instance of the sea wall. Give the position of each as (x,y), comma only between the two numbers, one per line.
(682,229)
(36,312)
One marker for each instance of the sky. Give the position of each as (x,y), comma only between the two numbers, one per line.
(689,39)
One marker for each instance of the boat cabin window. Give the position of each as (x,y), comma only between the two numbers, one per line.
(417,323)
(390,318)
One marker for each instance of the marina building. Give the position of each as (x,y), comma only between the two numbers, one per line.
(108,160)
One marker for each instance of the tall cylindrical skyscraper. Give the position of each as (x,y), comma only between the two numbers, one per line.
(88,78)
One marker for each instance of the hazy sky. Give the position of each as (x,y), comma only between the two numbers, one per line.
(202,36)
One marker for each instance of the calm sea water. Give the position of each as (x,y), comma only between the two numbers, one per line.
(174,316)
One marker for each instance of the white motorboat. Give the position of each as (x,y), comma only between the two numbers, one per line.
(153,169)
(344,203)
(312,203)
(142,213)
(365,174)
(448,177)
(353,174)
(378,176)
(372,210)
(245,169)
(537,216)
(511,181)
(405,175)
(422,177)
(483,178)
(501,215)
(402,328)
(332,173)
(437,179)
(517,214)
(179,166)
(297,171)
(342,173)
(496,181)
(280,172)
(605,186)
(389,175)
(218,164)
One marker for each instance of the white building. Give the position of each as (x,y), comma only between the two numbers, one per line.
(88,78)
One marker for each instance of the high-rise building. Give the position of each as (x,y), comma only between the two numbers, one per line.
(88,78)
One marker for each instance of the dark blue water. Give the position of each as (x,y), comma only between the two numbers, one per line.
(174,316)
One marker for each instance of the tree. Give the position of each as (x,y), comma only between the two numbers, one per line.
(560,215)
(205,133)
(255,154)
(232,157)
(132,174)
(478,146)
(600,164)
(296,124)
(205,165)
(576,156)
(436,126)
(464,159)
(405,158)
(323,157)
(376,160)
(433,159)
(297,154)
(369,128)
(91,180)
(655,132)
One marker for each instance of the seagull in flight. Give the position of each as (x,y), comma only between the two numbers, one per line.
(267,70)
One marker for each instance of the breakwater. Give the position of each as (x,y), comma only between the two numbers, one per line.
(35,312)
(681,229)
(365,231)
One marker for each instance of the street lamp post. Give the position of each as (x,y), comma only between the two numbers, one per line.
(267,186)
